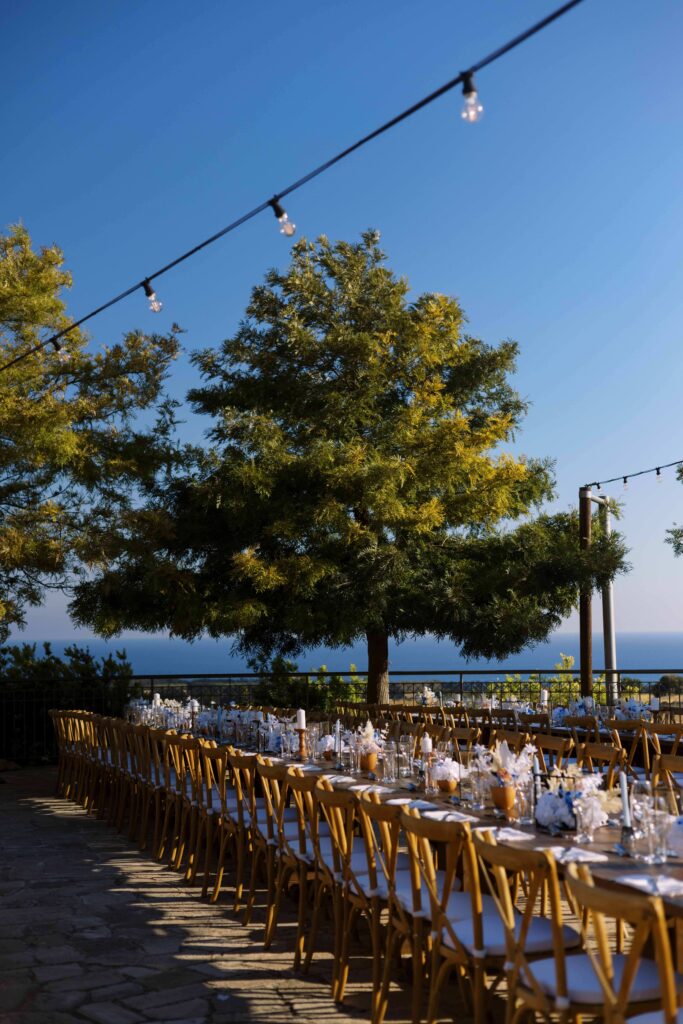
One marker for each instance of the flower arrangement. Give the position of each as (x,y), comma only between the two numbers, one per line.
(368,744)
(326,745)
(428,697)
(449,770)
(632,709)
(504,766)
(555,808)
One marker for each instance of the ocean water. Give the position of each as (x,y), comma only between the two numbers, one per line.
(160,656)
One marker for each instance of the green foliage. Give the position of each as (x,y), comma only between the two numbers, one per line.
(317,691)
(359,484)
(22,663)
(70,454)
(668,686)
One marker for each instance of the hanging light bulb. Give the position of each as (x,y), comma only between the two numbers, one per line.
(472,109)
(155,304)
(659,475)
(63,353)
(286,225)
(625,483)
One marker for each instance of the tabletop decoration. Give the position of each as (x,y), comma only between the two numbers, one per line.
(568,791)
(448,773)
(368,748)
(505,770)
(326,747)
(630,709)
(427,698)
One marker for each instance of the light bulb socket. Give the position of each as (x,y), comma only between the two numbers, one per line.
(56,345)
(468,86)
(149,291)
(277,209)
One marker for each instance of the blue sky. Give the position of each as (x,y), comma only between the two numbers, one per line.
(132,131)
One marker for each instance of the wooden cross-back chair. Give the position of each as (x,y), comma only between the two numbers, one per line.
(465,935)
(536,966)
(553,751)
(624,982)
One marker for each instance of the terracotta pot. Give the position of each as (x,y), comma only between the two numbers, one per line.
(447,785)
(504,798)
(327,754)
(368,762)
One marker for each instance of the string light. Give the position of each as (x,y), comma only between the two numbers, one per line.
(641,472)
(472,109)
(155,304)
(287,227)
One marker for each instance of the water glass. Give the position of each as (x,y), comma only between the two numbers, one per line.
(406,746)
(312,737)
(390,762)
(524,802)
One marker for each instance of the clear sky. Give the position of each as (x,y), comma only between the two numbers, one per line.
(132,131)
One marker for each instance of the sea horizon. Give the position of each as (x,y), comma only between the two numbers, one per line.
(159,655)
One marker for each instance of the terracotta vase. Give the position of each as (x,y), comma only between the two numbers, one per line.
(368,762)
(504,798)
(447,785)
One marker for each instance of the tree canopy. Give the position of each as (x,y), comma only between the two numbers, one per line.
(71,449)
(359,481)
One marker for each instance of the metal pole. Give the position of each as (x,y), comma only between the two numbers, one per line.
(608,634)
(585,609)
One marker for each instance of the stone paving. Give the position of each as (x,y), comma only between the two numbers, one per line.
(93,931)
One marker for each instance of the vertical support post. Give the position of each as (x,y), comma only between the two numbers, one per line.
(608,632)
(585,599)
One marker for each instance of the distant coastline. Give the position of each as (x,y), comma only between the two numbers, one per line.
(160,655)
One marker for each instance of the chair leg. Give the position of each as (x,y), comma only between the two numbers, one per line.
(239,879)
(251,898)
(301,924)
(438,980)
(208,843)
(382,1000)
(271,923)
(220,868)
(350,916)
(313,932)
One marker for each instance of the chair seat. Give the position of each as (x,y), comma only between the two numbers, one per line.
(539,938)
(459,903)
(583,985)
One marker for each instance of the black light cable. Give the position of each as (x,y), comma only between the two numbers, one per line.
(641,472)
(472,105)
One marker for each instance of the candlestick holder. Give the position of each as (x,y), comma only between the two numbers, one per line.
(302,745)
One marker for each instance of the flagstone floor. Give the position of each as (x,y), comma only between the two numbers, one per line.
(93,931)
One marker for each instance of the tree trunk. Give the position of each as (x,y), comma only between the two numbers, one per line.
(378,668)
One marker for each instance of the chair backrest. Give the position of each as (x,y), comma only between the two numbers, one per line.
(243,769)
(214,777)
(667,771)
(584,728)
(504,718)
(339,810)
(302,787)
(535,721)
(454,842)
(463,737)
(515,740)
(380,825)
(552,750)
(274,784)
(605,756)
(504,867)
(645,915)
(655,732)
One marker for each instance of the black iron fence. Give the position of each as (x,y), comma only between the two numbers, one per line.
(26,734)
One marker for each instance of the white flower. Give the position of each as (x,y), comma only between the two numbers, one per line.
(449,769)
(325,743)
(552,811)
(591,809)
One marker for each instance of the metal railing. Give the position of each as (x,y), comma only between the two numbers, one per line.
(26,734)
